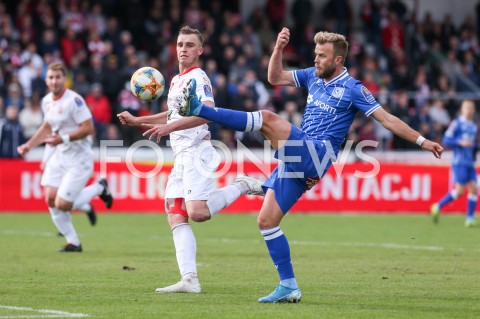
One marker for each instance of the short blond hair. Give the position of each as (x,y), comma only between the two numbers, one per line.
(188,30)
(58,66)
(340,44)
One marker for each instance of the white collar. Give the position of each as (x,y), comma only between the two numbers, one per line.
(338,77)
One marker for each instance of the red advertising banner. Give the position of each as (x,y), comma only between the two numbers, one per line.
(395,188)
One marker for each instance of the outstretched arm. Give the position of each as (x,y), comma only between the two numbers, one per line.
(128,119)
(401,129)
(160,130)
(276,74)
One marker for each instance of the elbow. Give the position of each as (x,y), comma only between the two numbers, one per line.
(90,130)
(271,79)
(274,78)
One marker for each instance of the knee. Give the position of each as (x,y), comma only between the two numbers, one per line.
(265,223)
(65,207)
(50,201)
(199,215)
(175,219)
(460,192)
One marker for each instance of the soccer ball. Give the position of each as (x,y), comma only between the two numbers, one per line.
(147,84)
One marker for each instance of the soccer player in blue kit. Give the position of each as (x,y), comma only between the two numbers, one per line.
(461,136)
(305,154)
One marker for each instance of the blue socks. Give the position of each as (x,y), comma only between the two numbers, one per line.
(235,120)
(471,205)
(279,250)
(451,196)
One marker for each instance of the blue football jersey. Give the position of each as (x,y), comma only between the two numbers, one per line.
(331,106)
(461,129)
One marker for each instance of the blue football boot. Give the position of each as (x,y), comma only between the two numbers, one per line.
(190,105)
(282,294)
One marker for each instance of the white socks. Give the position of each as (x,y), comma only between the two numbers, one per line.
(84,208)
(63,221)
(86,196)
(186,248)
(221,198)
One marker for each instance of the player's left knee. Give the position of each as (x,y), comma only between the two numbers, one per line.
(265,223)
(199,215)
(63,205)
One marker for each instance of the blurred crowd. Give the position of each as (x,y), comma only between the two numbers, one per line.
(415,66)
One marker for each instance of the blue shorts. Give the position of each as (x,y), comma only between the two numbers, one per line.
(295,175)
(463,174)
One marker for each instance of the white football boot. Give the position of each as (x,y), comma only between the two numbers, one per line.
(188,284)
(249,185)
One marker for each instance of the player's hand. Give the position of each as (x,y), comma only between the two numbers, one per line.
(127,119)
(433,147)
(157,130)
(23,150)
(53,139)
(282,39)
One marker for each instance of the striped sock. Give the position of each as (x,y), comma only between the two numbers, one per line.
(235,120)
(279,250)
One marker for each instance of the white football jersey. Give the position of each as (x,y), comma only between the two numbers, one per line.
(64,115)
(189,137)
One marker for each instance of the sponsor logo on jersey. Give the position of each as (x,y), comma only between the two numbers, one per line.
(78,101)
(367,95)
(208,90)
(325,107)
(310,98)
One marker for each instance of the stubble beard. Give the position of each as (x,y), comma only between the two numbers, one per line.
(327,72)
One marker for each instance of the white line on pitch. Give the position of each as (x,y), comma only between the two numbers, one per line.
(345,244)
(380,245)
(48,313)
(28,233)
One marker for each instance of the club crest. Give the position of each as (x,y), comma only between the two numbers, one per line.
(338,92)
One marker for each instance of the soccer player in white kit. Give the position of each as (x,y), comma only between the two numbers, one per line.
(87,208)
(190,193)
(67,126)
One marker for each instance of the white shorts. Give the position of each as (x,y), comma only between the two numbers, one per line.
(70,178)
(193,171)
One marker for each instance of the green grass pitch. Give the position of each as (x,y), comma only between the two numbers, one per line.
(348,266)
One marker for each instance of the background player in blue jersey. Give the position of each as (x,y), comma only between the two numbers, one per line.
(305,154)
(461,136)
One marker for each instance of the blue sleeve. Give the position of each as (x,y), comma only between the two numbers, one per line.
(363,100)
(450,139)
(300,77)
